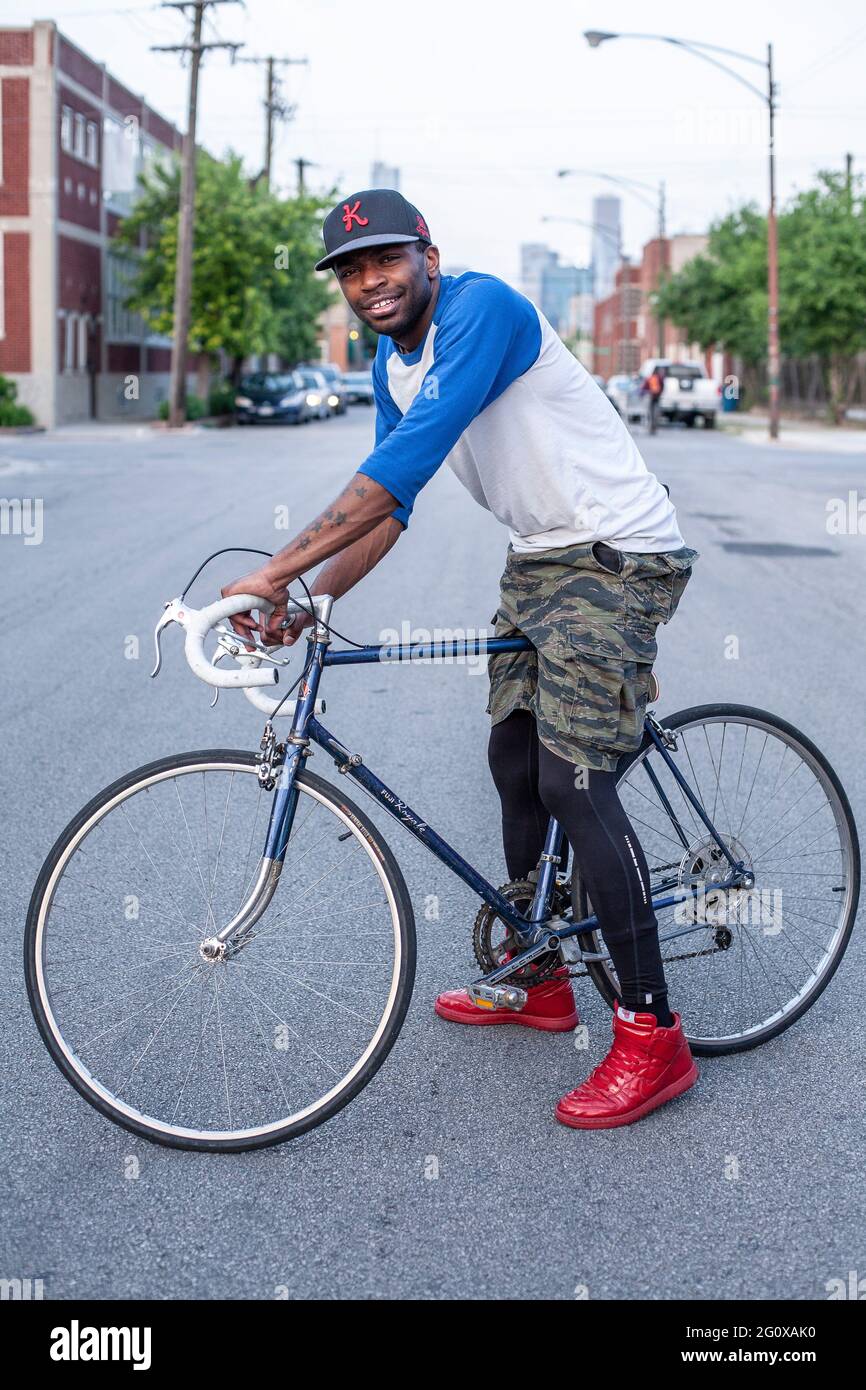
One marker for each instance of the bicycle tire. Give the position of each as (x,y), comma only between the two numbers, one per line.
(580,904)
(48,879)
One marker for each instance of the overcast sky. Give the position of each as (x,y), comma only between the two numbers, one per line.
(479,103)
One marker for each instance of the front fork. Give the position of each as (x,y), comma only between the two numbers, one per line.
(285,761)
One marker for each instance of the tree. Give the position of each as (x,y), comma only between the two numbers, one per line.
(720,297)
(253,287)
(822,265)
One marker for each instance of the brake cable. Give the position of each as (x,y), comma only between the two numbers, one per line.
(250,550)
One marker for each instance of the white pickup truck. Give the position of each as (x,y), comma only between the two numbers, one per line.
(688,394)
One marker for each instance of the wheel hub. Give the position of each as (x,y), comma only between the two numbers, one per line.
(704,863)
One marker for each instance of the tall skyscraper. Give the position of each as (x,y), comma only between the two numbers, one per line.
(559,286)
(384,175)
(535,257)
(606,241)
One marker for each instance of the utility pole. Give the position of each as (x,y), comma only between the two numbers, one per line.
(301,165)
(183,269)
(660,322)
(275,107)
(849,174)
(772,261)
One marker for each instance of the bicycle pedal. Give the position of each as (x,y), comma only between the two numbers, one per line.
(498,997)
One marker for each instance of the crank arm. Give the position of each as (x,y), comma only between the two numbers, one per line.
(502,972)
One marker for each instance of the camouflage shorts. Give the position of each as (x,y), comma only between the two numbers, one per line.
(593,630)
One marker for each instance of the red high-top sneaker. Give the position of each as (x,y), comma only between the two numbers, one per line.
(550,1007)
(646,1066)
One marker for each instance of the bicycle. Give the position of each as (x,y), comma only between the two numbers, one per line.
(186,966)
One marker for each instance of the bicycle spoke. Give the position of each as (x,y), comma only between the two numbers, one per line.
(739,974)
(179,1035)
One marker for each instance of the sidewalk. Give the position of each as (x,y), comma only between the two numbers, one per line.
(795,434)
(86,431)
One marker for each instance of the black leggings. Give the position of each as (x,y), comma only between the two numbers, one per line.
(533,784)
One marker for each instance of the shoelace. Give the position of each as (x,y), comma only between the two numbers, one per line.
(617,1067)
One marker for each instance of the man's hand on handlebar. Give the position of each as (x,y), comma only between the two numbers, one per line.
(245,625)
(273,634)
(288,636)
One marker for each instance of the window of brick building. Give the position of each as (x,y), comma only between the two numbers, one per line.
(70,342)
(66,128)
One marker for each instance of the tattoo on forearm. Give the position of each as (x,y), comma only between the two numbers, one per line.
(359,490)
(339,518)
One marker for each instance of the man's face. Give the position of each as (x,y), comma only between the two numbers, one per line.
(389,287)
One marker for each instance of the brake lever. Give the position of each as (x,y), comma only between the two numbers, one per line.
(167,617)
(234,645)
(214,661)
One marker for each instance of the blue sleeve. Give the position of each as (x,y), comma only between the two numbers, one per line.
(387,418)
(488,336)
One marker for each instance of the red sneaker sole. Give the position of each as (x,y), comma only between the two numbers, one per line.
(676,1088)
(485,1020)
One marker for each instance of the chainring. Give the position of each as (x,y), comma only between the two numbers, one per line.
(491,953)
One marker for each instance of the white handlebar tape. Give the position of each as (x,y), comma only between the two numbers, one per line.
(268,705)
(198,623)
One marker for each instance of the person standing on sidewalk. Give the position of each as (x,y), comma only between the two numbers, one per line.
(654,386)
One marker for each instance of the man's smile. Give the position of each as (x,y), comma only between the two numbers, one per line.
(383,306)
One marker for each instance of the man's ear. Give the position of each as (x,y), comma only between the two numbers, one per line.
(431,256)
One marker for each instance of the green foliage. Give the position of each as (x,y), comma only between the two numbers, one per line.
(221,398)
(822,255)
(253,287)
(195,408)
(12,414)
(721,297)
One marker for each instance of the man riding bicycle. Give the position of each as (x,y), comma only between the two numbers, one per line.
(469,372)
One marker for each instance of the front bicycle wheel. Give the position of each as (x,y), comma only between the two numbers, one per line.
(741,966)
(232,1053)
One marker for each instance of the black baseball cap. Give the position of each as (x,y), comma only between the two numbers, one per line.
(373,217)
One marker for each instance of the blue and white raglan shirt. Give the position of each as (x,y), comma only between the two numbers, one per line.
(494,392)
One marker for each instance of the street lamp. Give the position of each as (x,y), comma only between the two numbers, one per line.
(596,37)
(658,206)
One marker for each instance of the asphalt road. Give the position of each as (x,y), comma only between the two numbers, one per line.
(522,1208)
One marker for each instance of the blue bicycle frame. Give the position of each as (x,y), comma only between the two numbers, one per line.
(538,930)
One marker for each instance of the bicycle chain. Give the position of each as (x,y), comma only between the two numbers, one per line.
(518,891)
(666,960)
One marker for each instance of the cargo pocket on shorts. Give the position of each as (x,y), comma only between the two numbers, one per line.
(592,672)
(679,563)
(636,687)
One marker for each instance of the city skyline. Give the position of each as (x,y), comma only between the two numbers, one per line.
(479,152)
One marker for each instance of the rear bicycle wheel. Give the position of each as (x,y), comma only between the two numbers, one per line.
(750,963)
(221,1054)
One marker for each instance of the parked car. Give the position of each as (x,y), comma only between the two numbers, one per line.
(358,387)
(688,393)
(335,395)
(620,392)
(272,396)
(318,393)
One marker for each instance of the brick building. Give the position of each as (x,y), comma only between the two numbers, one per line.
(72,142)
(616,342)
(626,329)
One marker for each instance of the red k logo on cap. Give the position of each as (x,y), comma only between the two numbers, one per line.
(352,212)
(421,226)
